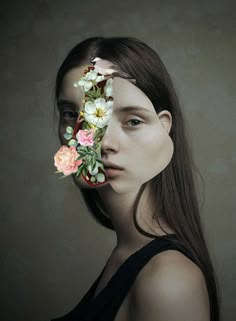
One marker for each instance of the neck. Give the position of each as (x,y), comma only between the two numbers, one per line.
(119,207)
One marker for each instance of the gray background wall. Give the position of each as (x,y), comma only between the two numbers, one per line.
(51,249)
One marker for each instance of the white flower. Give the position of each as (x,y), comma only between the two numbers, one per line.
(108,87)
(100,78)
(103,66)
(88,80)
(86,85)
(91,75)
(98,112)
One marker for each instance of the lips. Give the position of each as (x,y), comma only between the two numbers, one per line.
(112,170)
(110,165)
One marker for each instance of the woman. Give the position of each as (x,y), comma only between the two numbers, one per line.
(138,181)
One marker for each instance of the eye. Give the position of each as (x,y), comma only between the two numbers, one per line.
(134,122)
(68,114)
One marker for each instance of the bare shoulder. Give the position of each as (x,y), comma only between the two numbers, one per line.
(170,287)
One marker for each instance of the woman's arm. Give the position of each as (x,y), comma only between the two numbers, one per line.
(171,288)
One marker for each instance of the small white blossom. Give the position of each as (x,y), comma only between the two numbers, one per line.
(89,80)
(108,87)
(91,75)
(100,78)
(86,85)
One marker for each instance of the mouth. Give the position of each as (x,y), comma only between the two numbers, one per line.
(111,169)
(112,172)
(111,166)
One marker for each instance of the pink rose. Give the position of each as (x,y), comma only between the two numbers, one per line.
(65,160)
(85,137)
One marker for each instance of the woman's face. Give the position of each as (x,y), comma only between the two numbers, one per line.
(136,139)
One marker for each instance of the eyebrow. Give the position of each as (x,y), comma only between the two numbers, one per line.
(124,109)
(132,108)
(64,102)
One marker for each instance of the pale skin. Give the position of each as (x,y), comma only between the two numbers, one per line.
(170,287)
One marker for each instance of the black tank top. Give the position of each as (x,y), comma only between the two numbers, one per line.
(108,301)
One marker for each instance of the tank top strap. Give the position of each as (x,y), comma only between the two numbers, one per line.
(128,272)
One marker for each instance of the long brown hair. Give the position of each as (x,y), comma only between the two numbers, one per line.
(175,187)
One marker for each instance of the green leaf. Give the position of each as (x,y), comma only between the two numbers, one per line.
(73,142)
(81,152)
(85,171)
(79,170)
(69,129)
(67,136)
(93,163)
(98,149)
(80,157)
(100,177)
(86,125)
(100,164)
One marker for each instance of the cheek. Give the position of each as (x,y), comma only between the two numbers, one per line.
(155,153)
(61,132)
(163,153)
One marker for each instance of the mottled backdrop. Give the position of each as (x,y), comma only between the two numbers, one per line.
(51,249)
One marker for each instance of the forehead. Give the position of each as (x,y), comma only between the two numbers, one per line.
(124,92)
(127,94)
(68,91)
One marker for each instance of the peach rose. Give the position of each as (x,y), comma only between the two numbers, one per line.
(65,160)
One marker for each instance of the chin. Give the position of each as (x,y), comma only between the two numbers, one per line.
(123,187)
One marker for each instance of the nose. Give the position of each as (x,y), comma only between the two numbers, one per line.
(110,140)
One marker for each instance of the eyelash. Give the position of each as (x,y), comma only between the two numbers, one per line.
(63,114)
(135,119)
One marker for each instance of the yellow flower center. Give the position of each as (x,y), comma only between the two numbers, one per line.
(100,112)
